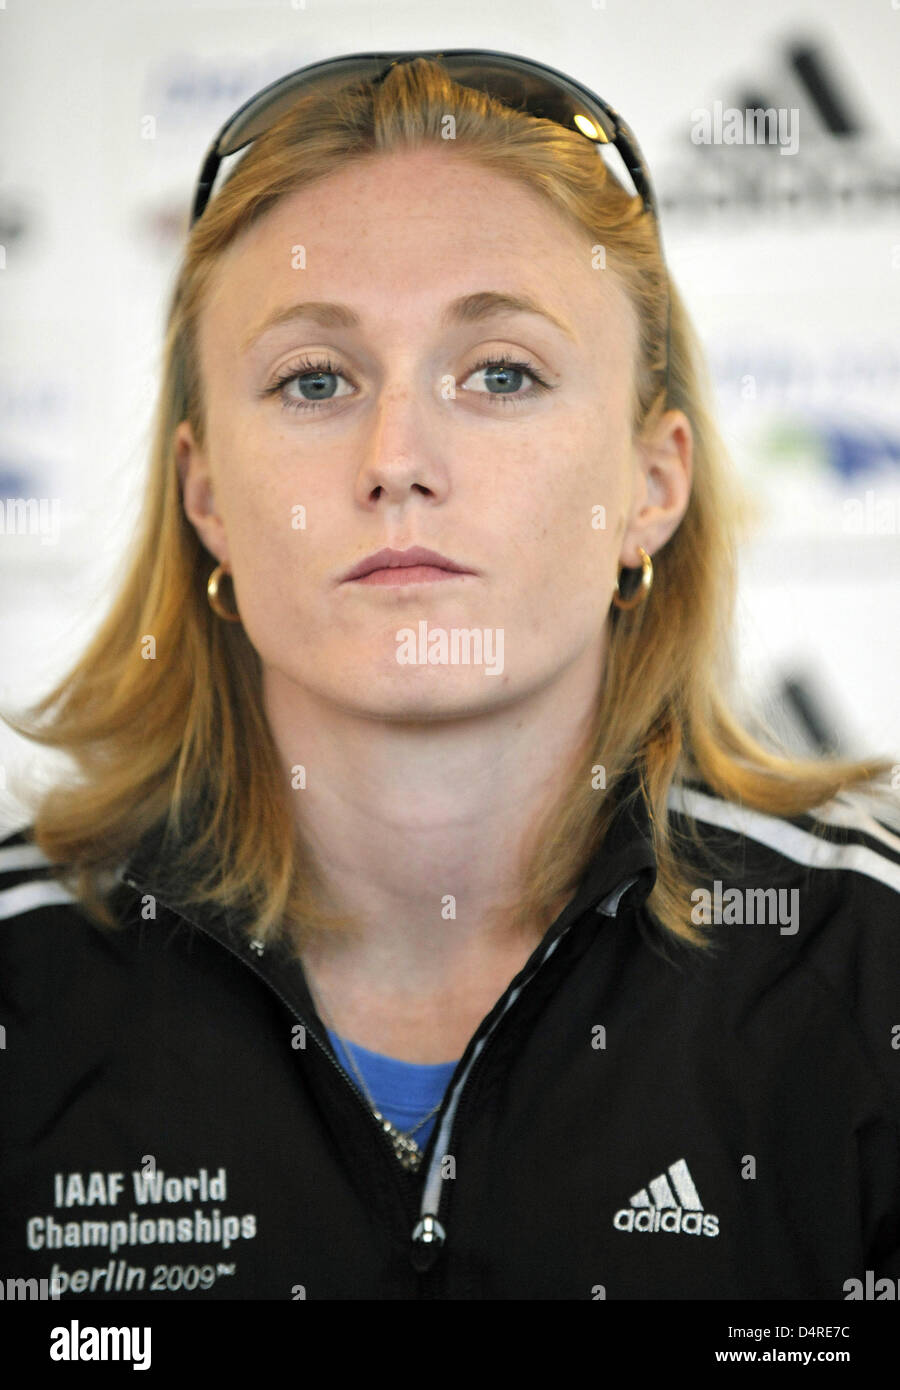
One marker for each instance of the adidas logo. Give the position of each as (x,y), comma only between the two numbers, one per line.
(678,1211)
(803,87)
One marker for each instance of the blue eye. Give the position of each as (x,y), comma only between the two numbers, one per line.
(314,375)
(506,371)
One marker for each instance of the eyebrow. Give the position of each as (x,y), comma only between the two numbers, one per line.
(469,308)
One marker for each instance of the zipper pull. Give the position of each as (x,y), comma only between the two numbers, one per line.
(427,1242)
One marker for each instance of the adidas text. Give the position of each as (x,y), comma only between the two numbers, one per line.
(691,1223)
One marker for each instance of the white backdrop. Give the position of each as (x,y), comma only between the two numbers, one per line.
(107,108)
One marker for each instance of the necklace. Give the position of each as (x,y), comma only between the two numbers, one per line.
(405,1147)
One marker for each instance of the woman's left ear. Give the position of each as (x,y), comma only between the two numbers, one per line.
(664,459)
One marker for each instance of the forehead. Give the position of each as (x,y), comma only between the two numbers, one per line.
(399,235)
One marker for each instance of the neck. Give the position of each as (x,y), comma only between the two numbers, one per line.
(418,828)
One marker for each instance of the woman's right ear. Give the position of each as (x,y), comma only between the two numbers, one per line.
(197,492)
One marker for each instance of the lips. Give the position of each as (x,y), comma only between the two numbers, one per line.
(404,559)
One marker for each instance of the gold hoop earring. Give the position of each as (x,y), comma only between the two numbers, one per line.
(212,593)
(643,588)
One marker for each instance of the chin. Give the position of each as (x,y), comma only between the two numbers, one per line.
(401,703)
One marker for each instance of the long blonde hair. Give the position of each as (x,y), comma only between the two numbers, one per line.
(181,745)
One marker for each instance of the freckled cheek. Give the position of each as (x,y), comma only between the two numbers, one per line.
(258,514)
(574,526)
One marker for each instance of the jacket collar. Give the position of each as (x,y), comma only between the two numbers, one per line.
(626,861)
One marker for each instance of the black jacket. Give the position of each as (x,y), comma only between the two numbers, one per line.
(632,1120)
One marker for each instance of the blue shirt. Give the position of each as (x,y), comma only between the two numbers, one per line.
(403,1091)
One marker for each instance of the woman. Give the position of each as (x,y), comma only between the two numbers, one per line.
(442,933)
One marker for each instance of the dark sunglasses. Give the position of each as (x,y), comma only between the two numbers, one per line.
(532,87)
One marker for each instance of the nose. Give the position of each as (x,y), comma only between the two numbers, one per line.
(400,445)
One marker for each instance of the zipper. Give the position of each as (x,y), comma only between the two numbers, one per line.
(428,1234)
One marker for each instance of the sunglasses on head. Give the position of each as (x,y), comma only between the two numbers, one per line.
(532,87)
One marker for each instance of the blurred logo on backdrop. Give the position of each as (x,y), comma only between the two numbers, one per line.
(802,104)
(784,188)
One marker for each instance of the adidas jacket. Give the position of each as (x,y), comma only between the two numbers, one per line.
(630,1121)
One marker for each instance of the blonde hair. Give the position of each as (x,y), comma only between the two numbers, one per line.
(181,744)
